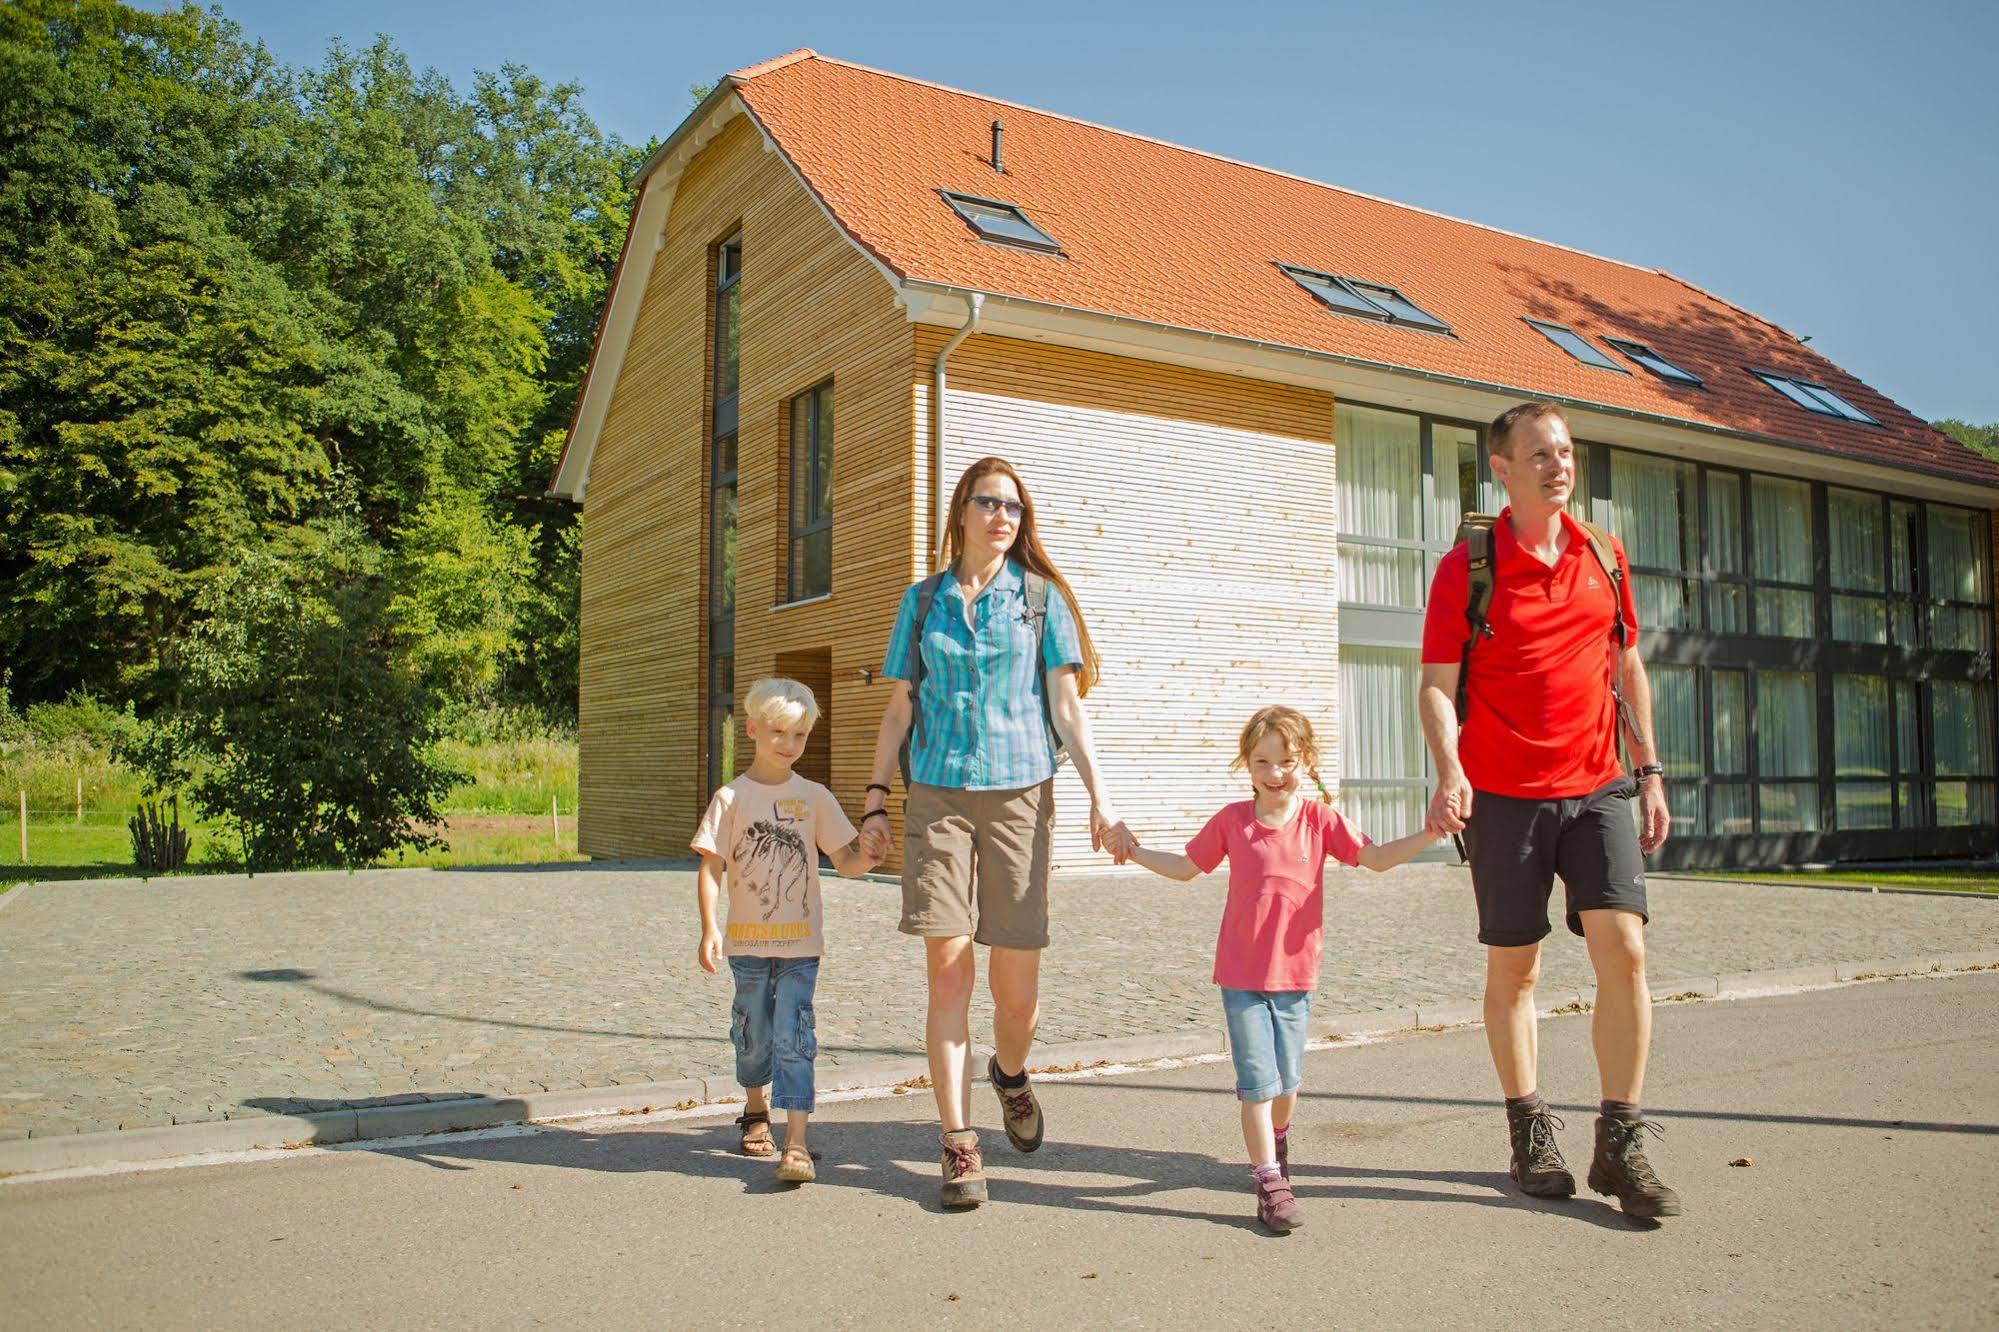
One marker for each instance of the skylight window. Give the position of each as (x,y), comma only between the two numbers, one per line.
(1368,300)
(1002,222)
(1816,398)
(1654,362)
(1576,345)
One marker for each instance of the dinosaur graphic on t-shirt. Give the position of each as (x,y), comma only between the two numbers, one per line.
(772,859)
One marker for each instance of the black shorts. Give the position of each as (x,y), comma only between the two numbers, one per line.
(1517,847)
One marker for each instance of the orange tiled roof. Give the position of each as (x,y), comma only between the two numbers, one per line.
(1165,234)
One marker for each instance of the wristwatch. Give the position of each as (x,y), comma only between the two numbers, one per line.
(1649,770)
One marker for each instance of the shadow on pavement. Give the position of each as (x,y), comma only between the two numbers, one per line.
(310,981)
(1577,1108)
(895,1161)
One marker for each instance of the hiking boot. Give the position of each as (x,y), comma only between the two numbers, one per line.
(1538,1167)
(964,1170)
(1276,1205)
(1019,1109)
(1620,1169)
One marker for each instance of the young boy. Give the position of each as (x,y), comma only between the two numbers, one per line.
(767,828)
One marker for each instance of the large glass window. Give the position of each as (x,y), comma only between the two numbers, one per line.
(1902,575)
(1728,593)
(809,550)
(1381,507)
(1787,747)
(1383,787)
(1856,533)
(1729,804)
(1655,511)
(1681,737)
(1860,752)
(1960,589)
(723,412)
(1961,722)
(1912,794)
(1780,516)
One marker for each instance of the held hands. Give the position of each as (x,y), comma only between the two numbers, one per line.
(1109,833)
(874,836)
(1450,806)
(709,954)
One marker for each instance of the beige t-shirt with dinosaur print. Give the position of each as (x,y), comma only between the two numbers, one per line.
(770,838)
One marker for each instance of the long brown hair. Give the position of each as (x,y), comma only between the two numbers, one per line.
(1026,551)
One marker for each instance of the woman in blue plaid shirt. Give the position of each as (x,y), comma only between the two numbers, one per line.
(998,683)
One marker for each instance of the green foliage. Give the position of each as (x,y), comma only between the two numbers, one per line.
(303,724)
(1980,438)
(224,282)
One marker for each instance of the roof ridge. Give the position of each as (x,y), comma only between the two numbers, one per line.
(804,53)
(775,63)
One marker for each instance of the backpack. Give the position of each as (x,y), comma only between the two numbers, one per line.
(1475,535)
(1035,588)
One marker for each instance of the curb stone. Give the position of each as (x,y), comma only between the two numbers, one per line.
(32,1156)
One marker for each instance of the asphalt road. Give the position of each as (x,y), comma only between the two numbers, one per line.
(1870,1113)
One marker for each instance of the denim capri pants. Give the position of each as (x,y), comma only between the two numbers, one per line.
(1267,1040)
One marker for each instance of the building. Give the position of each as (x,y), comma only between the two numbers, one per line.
(1249,409)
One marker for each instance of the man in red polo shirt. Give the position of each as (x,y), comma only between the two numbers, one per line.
(1531,778)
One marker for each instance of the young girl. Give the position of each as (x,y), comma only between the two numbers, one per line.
(1267,956)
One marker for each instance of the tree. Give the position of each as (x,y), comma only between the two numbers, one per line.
(1980,438)
(301,723)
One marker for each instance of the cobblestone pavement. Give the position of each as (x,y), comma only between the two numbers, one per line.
(131,1005)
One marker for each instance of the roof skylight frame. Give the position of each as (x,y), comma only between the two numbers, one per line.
(1595,359)
(1045,244)
(1650,360)
(1349,296)
(1814,397)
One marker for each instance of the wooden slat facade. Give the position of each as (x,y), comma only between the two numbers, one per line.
(813,310)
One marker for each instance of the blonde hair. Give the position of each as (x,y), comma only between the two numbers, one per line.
(780,703)
(1295,729)
(1027,552)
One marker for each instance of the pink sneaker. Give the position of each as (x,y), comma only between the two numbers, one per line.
(1276,1206)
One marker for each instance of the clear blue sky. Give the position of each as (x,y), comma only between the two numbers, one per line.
(1830,166)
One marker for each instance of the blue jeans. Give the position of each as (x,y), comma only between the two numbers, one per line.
(771,1026)
(1267,1040)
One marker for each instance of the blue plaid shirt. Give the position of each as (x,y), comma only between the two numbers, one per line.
(980,720)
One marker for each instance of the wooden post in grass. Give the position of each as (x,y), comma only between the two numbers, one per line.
(555,824)
(24,825)
(79,800)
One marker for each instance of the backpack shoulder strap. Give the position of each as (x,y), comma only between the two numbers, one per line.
(1606,556)
(926,596)
(1475,535)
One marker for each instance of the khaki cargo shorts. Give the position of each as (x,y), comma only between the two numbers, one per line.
(990,845)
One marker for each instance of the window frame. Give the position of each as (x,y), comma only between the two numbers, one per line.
(1643,355)
(724,463)
(1548,330)
(799,481)
(1046,245)
(1312,280)
(1814,397)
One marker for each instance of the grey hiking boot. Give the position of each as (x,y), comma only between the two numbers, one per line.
(1620,1169)
(964,1170)
(1538,1167)
(1019,1109)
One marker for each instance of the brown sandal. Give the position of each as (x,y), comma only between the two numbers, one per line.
(795,1166)
(755,1125)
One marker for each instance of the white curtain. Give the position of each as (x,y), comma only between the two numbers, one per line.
(1783,521)
(1961,719)
(1731,723)
(1787,738)
(1652,510)
(1380,463)
(1676,719)
(1856,539)
(1724,521)
(1381,740)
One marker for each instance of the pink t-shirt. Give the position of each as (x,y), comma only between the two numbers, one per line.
(1274,922)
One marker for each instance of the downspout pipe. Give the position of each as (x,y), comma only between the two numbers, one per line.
(939,496)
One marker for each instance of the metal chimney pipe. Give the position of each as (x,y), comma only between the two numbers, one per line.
(998,162)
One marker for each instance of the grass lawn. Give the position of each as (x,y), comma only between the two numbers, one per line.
(104,851)
(1957,878)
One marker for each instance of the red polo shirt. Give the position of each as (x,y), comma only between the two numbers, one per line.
(1541,720)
